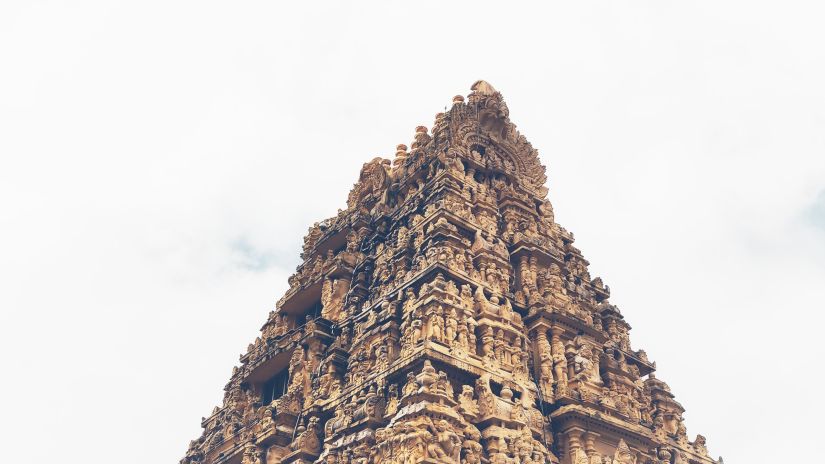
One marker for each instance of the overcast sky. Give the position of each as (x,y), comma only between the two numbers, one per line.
(160,162)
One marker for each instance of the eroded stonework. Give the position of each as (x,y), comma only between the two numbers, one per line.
(445,317)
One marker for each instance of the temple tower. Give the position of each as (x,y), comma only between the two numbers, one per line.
(445,317)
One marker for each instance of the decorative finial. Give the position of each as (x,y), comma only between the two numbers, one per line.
(400,155)
(483,87)
(421,137)
(458,99)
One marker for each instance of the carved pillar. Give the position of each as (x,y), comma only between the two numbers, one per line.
(559,362)
(590,447)
(574,445)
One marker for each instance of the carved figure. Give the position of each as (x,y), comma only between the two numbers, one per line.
(623,454)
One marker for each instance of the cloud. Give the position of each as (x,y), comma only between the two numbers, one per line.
(246,257)
(816,212)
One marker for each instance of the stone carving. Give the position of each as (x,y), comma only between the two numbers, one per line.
(251,455)
(585,362)
(445,317)
(559,365)
(699,445)
(623,454)
(332,297)
(545,356)
(308,438)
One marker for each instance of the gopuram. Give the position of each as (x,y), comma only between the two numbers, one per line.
(445,317)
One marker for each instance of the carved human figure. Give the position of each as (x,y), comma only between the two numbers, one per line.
(251,455)
(281,326)
(409,301)
(452,290)
(438,327)
(434,323)
(328,383)
(297,370)
(473,451)
(266,421)
(500,346)
(623,454)
(553,286)
(381,450)
(506,310)
(411,386)
(579,457)
(402,237)
(491,276)
(446,447)
(467,402)
(471,333)
(361,453)
(451,327)
(331,425)
(462,337)
(382,360)
(499,457)
(417,441)
(415,332)
(487,343)
(559,364)
(460,261)
(443,386)
(486,398)
(326,292)
(526,278)
(584,366)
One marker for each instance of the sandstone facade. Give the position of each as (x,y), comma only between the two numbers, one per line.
(445,317)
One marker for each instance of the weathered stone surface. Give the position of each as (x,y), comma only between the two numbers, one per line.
(445,317)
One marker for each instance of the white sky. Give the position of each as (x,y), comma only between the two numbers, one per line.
(160,162)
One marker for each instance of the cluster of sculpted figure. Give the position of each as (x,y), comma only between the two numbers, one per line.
(416,440)
(446,324)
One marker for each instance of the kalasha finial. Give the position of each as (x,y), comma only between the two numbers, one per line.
(440,124)
(400,155)
(458,99)
(401,150)
(421,137)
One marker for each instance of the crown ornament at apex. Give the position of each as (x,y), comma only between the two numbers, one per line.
(445,317)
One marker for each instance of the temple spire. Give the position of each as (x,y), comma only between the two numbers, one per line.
(445,317)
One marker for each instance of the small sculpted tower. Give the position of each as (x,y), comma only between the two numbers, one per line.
(445,317)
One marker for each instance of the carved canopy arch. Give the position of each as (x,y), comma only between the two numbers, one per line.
(524,158)
(373,180)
